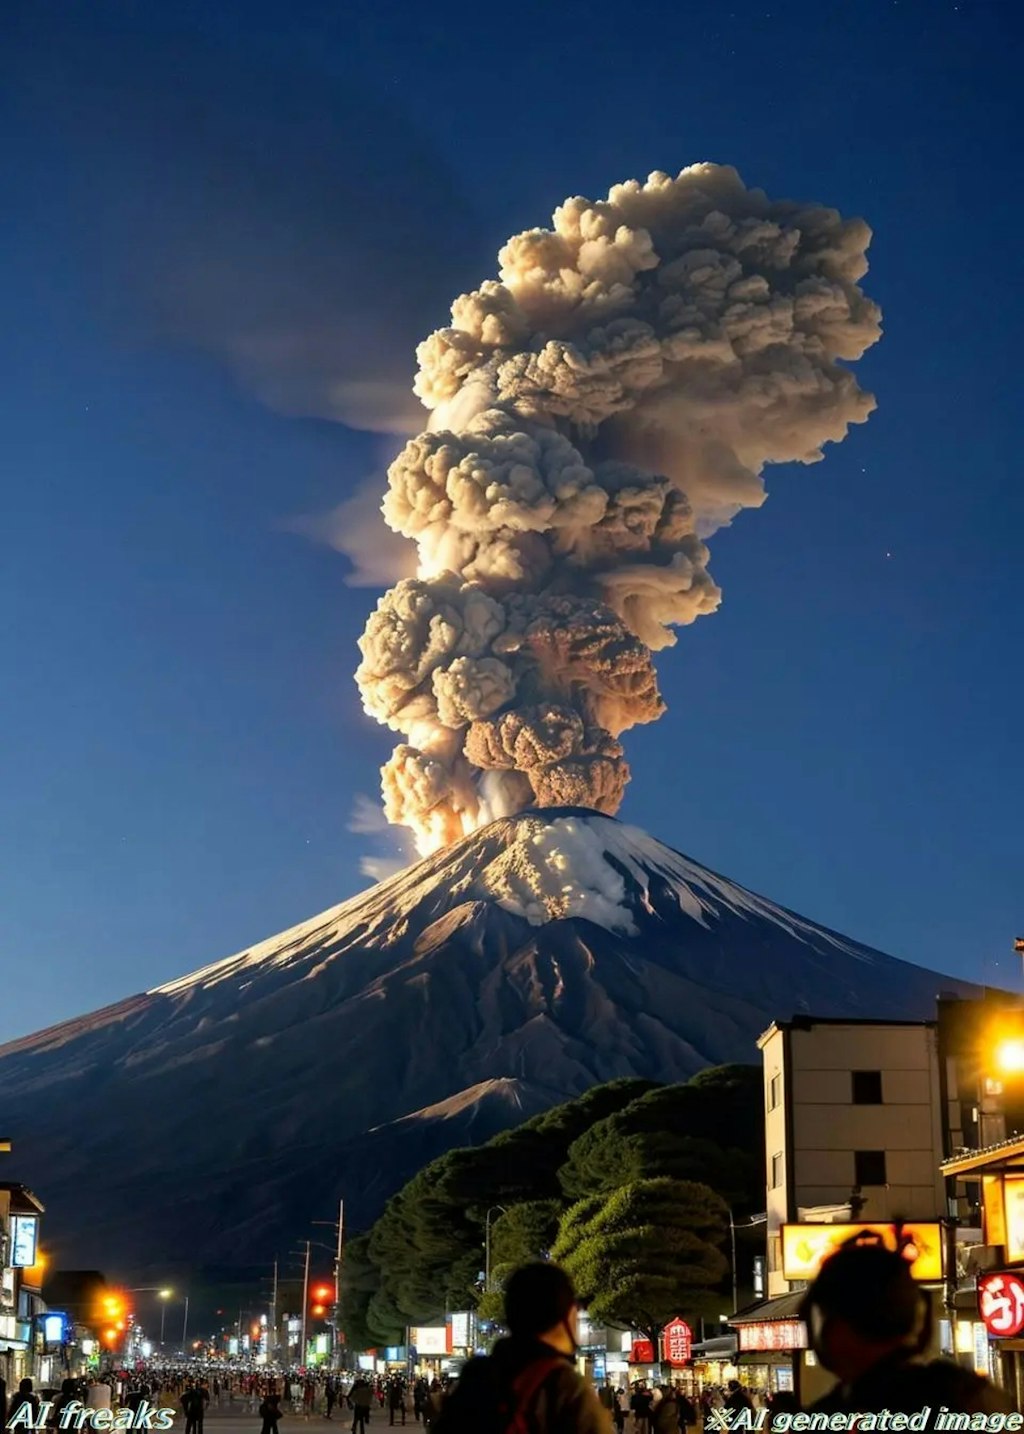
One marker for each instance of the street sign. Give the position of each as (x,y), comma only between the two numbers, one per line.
(677,1342)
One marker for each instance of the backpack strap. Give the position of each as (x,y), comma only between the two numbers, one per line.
(527,1385)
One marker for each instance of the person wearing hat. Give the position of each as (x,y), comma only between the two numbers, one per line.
(869,1324)
(529,1381)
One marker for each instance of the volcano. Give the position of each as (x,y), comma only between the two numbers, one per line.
(217,1114)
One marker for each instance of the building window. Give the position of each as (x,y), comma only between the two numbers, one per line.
(774,1091)
(869,1167)
(778,1170)
(867,1087)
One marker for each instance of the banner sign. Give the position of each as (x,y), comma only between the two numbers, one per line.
(773,1334)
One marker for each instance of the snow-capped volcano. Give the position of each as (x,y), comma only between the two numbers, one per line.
(212,1116)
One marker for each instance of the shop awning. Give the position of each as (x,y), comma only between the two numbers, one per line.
(782,1307)
(721,1347)
(1007,1155)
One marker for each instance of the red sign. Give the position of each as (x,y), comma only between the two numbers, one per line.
(1001,1304)
(642,1352)
(677,1342)
(773,1334)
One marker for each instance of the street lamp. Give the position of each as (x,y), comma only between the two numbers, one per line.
(487,1245)
(163,1296)
(754,1220)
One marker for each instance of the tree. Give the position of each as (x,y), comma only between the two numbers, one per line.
(646,1252)
(360,1280)
(522,1165)
(428,1245)
(427,1248)
(523,1233)
(710,1129)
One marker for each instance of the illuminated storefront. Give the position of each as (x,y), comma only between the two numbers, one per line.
(771,1343)
(989,1318)
(22,1350)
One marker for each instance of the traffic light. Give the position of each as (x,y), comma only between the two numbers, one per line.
(323,1294)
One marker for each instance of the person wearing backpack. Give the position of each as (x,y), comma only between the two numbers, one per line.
(528,1384)
(869,1324)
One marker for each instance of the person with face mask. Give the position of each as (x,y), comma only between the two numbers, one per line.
(869,1324)
(528,1383)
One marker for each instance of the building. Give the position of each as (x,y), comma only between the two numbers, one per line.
(22,1348)
(855,1114)
(984,1170)
(853,1125)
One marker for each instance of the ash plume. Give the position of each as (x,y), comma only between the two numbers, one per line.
(596,413)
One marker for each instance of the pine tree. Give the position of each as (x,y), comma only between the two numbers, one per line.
(646,1253)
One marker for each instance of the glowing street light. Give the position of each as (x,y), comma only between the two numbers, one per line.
(163,1296)
(1009,1056)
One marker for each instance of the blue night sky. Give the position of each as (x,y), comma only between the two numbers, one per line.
(181,741)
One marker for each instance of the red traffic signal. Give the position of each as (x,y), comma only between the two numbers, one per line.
(323,1294)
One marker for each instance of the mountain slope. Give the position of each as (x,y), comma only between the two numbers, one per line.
(542,955)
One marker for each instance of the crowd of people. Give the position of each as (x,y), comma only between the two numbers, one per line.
(868,1322)
(642,1408)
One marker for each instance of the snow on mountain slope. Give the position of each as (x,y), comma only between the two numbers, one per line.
(541,955)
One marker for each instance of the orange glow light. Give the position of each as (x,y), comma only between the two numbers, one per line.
(33,1274)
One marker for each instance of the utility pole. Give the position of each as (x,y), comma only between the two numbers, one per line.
(184,1329)
(335,1341)
(338,1226)
(305,1307)
(273,1315)
(735,1277)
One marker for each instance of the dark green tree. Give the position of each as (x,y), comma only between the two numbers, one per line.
(523,1164)
(427,1248)
(428,1245)
(710,1129)
(646,1253)
(523,1233)
(360,1280)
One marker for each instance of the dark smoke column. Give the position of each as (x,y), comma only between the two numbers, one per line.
(596,413)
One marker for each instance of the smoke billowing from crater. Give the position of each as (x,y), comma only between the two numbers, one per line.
(596,414)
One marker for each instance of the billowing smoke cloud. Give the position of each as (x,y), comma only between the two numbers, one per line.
(596,413)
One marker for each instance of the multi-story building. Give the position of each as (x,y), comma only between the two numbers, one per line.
(853,1125)
(883,1121)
